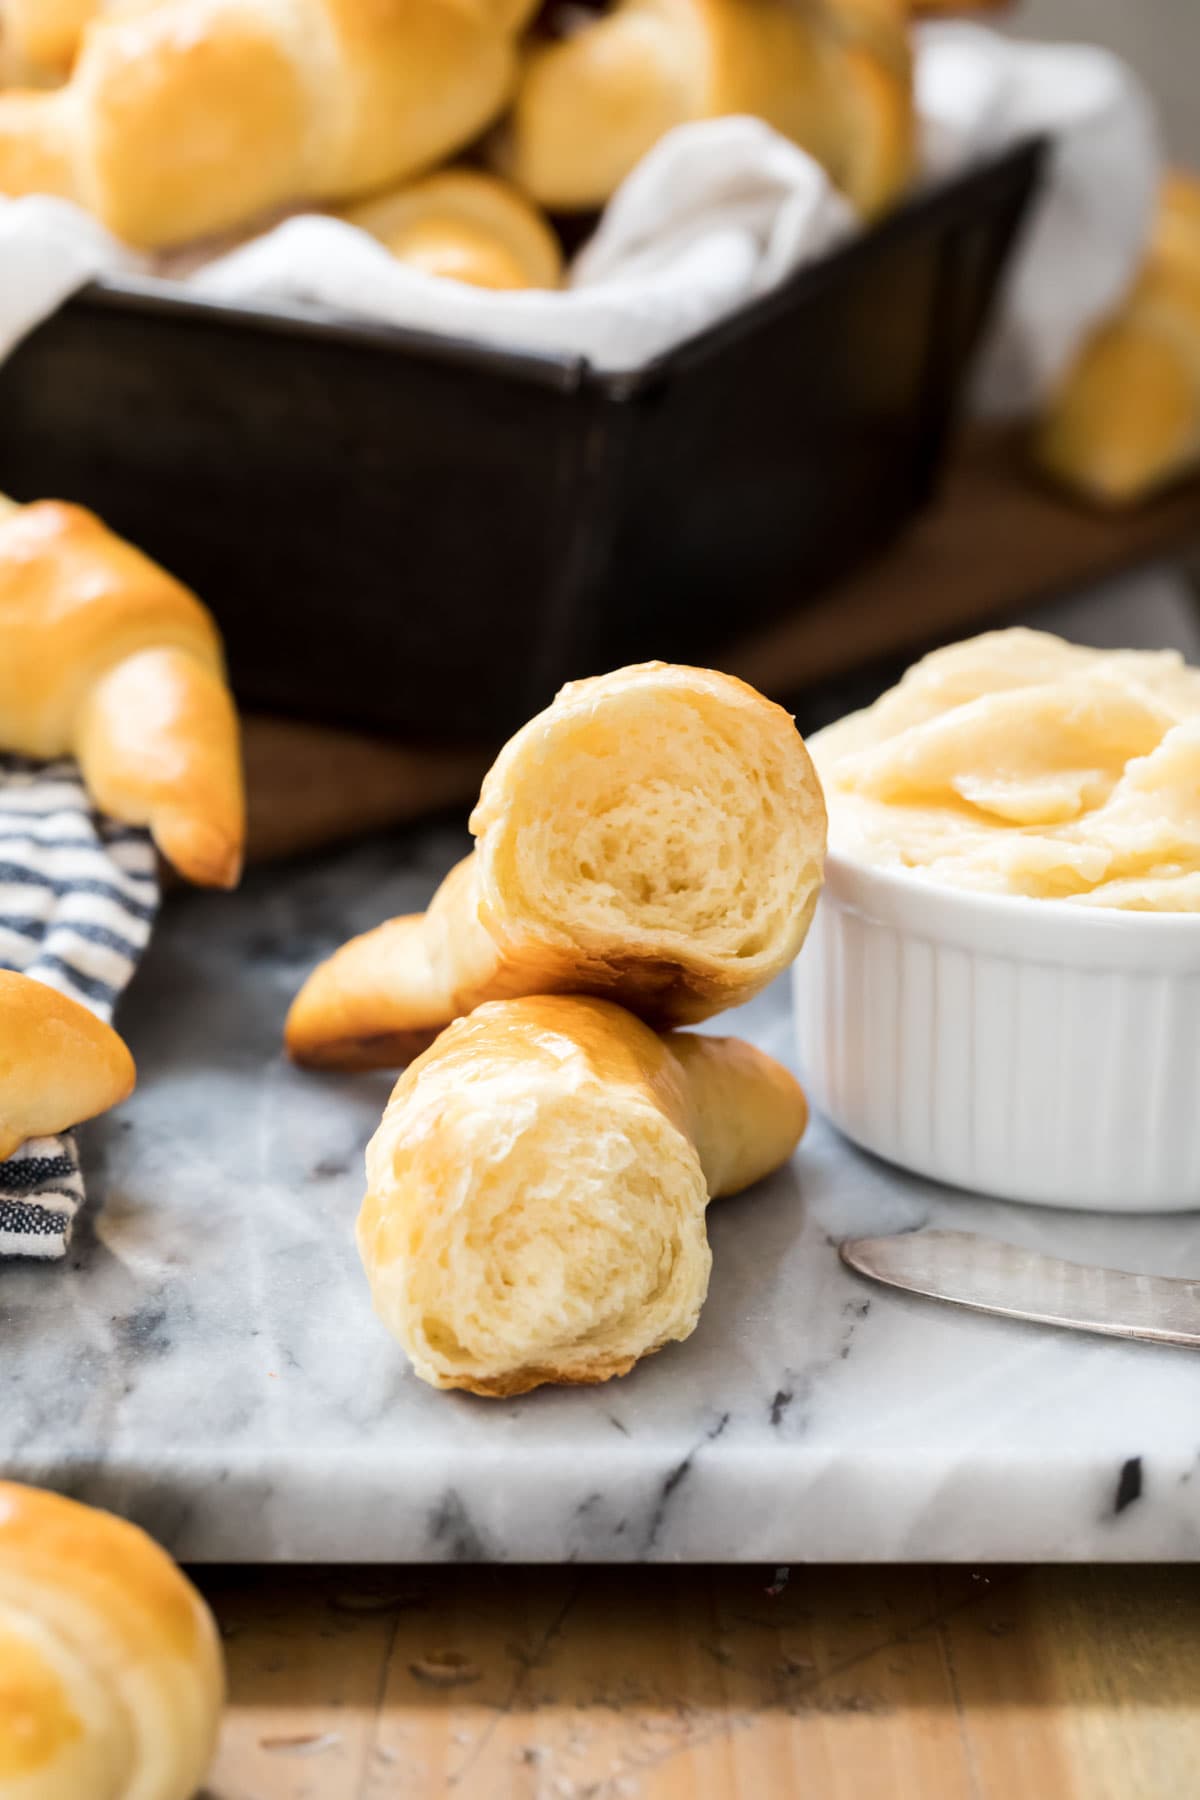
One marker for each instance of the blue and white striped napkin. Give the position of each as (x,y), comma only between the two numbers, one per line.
(78,895)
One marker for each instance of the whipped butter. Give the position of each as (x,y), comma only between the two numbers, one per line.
(1016,763)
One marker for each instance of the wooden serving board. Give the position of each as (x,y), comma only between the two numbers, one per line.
(995,540)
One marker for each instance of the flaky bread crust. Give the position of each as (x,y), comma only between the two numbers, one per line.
(538,1183)
(656,835)
(109,659)
(187,117)
(835,76)
(111,1678)
(59,1064)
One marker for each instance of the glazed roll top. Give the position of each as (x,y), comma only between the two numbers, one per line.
(75,600)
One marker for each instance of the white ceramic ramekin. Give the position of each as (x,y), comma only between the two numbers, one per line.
(1025,1049)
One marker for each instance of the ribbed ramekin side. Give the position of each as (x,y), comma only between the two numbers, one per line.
(1071,1086)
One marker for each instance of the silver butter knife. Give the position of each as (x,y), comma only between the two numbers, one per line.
(991,1277)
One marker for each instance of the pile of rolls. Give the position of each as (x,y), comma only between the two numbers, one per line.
(467,135)
(176,120)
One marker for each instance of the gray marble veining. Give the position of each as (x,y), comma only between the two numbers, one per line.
(208,1363)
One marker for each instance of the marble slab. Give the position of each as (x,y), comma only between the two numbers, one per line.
(207,1362)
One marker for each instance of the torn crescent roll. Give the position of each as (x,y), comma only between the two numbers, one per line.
(656,835)
(111,1676)
(537,1189)
(59,1064)
(107,658)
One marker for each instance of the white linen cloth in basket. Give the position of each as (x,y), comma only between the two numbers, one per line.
(717,214)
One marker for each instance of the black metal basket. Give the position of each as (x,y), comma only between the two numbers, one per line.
(412,534)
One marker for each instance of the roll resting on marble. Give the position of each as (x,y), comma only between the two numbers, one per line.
(537,1188)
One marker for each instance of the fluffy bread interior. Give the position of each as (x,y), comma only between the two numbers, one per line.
(562,1248)
(683,824)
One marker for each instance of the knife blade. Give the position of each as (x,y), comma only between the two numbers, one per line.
(993,1277)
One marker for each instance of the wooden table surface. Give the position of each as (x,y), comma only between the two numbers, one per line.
(734,1684)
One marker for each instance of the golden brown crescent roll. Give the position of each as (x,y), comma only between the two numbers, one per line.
(466,225)
(46,32)
(111,1678)
(833,75)
(107,658)
(16,70)
(59,1065)
(536,1190)
(656,835)
(1126,420)
(187,117)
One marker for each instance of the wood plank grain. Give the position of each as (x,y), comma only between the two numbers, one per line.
(662,1684)
(1124,1655)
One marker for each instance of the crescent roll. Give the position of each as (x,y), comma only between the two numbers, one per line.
(833,75)
(107,658)
(46,33)
(656,835)
(537,1188)
(59,1065)
(465,225)
(1126,420)
(183,118)
(111,1678)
